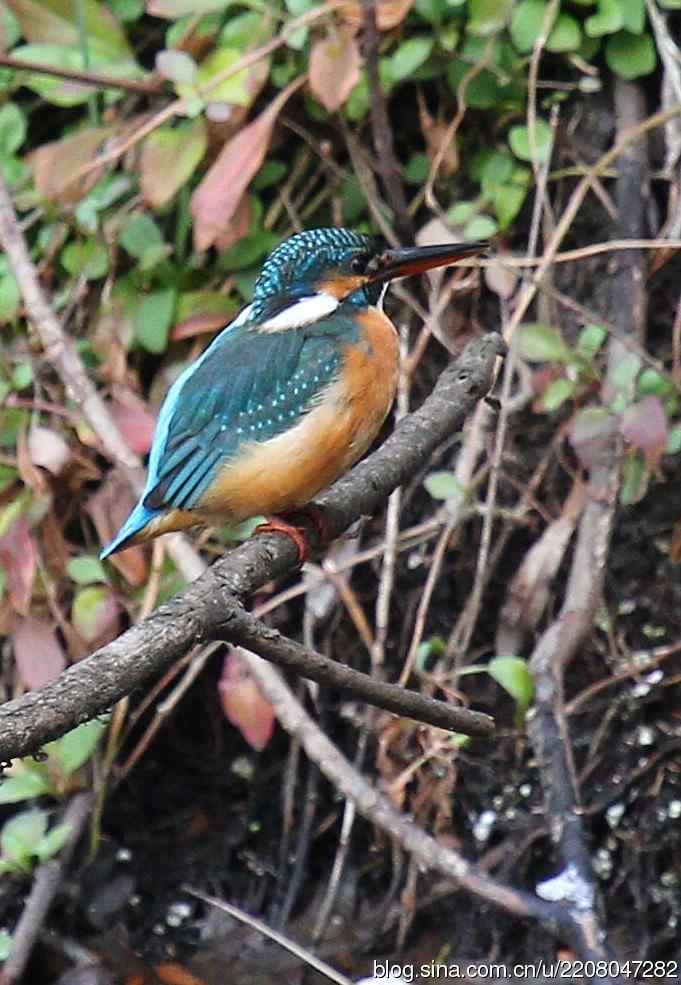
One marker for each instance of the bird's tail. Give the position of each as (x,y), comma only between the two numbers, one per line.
(134,530)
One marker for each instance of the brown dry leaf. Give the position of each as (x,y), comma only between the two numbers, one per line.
(217,198)
(243,703)
(38,653)
(135,422)
(334,69)
(169,158)
(31,476)
(530,589)
(109,508)
(48,449)
(435,132)
(389,13)
(18,559)
(55,164)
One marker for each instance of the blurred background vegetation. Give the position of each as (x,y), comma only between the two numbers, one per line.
(170,145)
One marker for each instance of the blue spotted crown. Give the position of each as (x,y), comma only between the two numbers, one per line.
(297,262)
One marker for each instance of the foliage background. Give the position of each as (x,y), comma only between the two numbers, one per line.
(181,142)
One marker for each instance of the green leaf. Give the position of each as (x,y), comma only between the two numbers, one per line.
(89,258)
(170,157)
(93,611)
(652,383)
(488,16)
(590,340)
(673,445)
(556,393)
(461,212)
(269,174)
(233,90)
(58,91)
(608,19)
(526,23)
(22,833)
(24,785)
(566,34)
(171,9)
(444,485)
(542,343)
(53,841)
(139,234)
(480,227)
(86,569)
(631,55)
(513,674)
(10,298)
(519,141)
(57,22)
(242,30)
(633,16)
(635,477)
(670,4)
(409,56)
(5,944)
(22,376)
(12,129)
(153,318)
(497,169)
(417,169)
(74,748)
(508,198)
(625,372)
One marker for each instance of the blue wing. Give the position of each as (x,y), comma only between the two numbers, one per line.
(247,386)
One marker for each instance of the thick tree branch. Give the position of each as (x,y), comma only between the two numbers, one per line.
(204,610)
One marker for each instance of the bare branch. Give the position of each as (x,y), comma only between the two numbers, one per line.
(209,608)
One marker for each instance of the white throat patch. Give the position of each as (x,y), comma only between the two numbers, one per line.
(301,313)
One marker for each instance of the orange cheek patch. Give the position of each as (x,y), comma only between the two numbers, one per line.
(340,286)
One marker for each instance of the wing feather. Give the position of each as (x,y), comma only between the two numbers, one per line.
(248,386)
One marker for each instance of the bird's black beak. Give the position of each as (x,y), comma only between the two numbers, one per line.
(414,260)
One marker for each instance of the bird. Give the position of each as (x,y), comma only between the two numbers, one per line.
(288,396)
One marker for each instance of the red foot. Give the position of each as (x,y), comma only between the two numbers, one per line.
(277,524)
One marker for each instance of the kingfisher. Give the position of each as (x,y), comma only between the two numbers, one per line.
(288,396)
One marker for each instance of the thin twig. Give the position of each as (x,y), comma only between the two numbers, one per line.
(143,87)
(382,131)
(46,882)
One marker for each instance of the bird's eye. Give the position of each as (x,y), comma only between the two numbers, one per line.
(357,265)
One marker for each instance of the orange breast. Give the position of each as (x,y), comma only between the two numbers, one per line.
(286,472)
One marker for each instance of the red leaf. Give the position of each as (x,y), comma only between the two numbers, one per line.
(239,227)
(243,702)
(17,557)
(215,201)
(135,422)
(644,424)
(334,69)
(38,653)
